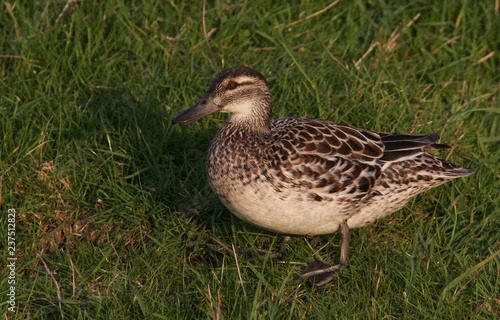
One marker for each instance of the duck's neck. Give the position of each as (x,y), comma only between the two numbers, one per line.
(250,124)
(257,117)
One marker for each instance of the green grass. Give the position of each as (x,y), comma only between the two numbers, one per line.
(114,198)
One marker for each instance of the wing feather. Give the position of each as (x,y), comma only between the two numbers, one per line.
(341,158)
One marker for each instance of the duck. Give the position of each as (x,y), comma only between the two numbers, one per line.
(303,176)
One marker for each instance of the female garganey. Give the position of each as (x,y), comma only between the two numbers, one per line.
(306,176)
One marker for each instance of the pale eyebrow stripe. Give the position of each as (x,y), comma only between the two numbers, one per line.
(244,79)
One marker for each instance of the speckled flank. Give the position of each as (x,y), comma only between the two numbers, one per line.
(306,176)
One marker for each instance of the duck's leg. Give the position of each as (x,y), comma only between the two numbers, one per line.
(282,251)
(319,272)
(279,255)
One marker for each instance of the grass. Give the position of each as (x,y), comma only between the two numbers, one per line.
(112,199)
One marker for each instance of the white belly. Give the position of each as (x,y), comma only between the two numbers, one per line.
(286,214)
(290,211)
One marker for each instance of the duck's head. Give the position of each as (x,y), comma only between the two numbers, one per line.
(242,91)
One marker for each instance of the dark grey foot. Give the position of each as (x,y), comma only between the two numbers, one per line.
(280,255)
(319,272)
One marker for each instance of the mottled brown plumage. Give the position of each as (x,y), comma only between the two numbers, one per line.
(307,176)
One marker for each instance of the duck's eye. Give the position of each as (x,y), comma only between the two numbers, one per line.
(232,85)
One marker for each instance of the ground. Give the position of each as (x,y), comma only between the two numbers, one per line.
(114,218)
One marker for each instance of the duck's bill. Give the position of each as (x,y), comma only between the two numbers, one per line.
(204,107)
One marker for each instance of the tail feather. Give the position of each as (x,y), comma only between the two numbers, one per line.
(402,147)
(438,146)
(459,172)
